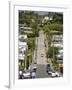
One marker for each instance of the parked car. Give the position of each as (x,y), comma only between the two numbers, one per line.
(55,74)
(27,75)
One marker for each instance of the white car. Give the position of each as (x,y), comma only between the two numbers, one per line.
(27,75)
(55,74)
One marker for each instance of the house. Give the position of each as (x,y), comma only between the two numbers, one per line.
(22,38)
(51,18)
(22,50)
(54,31)
(57,37)
(57,41)
(61,51)
(23,47)
(60,56)
(21,56)
(25,27)
(60,45)
(23,44)
(47,18)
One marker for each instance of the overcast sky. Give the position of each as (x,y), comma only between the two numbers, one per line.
(41,12)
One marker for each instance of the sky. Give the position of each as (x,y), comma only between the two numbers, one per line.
(41,12)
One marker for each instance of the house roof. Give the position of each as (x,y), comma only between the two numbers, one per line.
(24,25)
(22,43)
(57,45)
(26,28)
(61,51)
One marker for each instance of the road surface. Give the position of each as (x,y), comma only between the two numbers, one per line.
(41,71)
(41,54)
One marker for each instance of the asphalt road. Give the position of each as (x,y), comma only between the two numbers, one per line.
(41,54)
(41,57)
(41,71)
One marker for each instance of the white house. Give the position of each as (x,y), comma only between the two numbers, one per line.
(57,37)
(23,25)
(22,50)
(22,36)
(57,44)
(46,18)
(57,41)
(51,18)
(54,31)
(21,57)
(22,47)
(23,44)
(26,28)
(61,51)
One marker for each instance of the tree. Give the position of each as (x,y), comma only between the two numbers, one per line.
(51,51)
(27,62)
(58,18)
